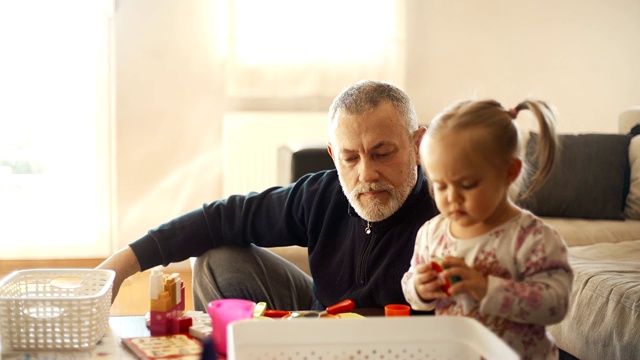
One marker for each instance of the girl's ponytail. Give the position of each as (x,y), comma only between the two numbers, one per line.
(547,143)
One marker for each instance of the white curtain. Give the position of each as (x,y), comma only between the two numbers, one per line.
(54,129)
(292,49)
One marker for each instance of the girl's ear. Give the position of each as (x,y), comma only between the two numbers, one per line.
(513,170)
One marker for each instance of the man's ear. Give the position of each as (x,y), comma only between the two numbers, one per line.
(330,151)
(417,139)
(513,170)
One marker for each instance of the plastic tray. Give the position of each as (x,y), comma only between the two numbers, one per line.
(413,337)
(54,309)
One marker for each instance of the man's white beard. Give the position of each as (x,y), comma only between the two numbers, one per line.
(377,211)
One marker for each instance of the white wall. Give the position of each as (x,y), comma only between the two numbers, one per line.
(169,102)
(580,55)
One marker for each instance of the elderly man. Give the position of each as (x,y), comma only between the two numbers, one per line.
(358,222)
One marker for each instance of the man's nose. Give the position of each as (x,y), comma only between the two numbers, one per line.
(368,170)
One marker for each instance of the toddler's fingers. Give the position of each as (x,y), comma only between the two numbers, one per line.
(422,268)
(430,291)
(425,277)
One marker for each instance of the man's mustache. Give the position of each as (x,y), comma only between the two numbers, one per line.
(377,186)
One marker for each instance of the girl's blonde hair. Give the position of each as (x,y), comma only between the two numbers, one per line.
(503,136)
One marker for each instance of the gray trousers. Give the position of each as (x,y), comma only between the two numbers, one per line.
(250,273)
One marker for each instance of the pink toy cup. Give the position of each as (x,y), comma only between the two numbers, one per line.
(222,313)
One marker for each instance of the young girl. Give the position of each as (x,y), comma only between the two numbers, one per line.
(502,265)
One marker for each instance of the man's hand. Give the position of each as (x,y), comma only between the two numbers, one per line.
(125,264)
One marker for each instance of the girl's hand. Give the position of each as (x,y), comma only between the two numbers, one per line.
(427,283)
(471,280)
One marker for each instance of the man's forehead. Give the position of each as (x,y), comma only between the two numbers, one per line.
(369,138)
(379,122)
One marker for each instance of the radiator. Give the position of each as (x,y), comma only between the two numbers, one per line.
(251,142)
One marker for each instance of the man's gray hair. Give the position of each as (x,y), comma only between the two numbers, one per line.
(367,94)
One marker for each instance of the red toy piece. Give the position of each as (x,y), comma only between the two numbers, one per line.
(436,264)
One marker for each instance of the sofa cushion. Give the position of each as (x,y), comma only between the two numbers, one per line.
(590,180)
(297,159)
(604,310)
(632,205)
(580,232)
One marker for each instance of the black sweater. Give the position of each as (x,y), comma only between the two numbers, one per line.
(345,261)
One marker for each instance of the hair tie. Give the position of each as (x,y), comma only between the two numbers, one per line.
(513,112)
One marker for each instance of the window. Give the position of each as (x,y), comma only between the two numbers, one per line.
(302,49)
(54,129)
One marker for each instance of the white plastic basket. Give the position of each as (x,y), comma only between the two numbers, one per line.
(411,337)
(54,309)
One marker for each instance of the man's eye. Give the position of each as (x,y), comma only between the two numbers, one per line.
(384,156)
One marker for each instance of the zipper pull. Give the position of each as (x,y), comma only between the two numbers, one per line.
(367,230)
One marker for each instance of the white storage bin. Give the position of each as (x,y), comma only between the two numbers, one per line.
(54,309)
(411,337)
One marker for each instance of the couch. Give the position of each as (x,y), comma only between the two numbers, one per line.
(603,321)
(592,198)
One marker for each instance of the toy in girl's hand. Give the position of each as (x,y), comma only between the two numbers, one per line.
(436,264)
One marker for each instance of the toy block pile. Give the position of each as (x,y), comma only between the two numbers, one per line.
(167,304)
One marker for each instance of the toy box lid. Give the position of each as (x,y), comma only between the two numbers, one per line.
(416,337)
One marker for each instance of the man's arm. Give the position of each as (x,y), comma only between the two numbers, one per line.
(234,221)
(124,263)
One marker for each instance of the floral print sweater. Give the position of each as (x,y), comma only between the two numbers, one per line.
(529,280)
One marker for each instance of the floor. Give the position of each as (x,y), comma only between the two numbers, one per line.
(133,298)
